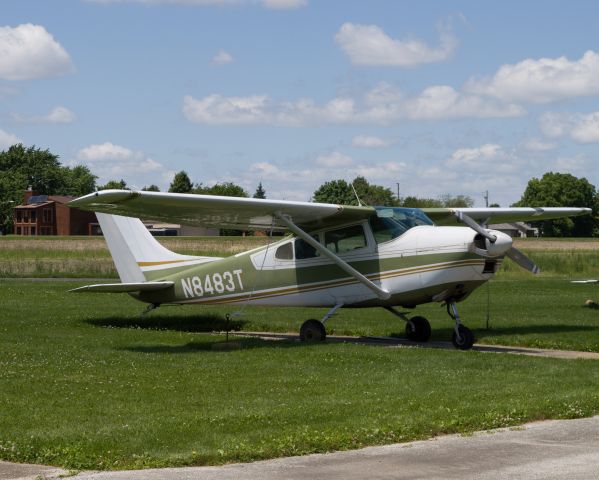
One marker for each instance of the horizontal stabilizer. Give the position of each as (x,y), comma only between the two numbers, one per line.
(124,287)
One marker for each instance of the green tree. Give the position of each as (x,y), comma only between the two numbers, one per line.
(114,185)
(562,190)
(151,188)
(41,169)
(446,200)
(341,192)
(459,201)
(416,202)
(181,183)
(226,189)
(335,191)
(260,193)
(371,194)
(79,181)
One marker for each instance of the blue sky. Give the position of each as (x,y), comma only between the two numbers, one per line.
(440,97)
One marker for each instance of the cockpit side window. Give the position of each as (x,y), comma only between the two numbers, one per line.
(345,239)
(305,250)
(385,229)
(392,222)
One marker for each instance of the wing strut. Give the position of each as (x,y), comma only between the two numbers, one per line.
(380,292)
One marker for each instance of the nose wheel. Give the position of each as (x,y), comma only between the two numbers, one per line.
(462,337)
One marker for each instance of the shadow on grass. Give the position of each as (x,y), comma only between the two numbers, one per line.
(198,323)
(221,346)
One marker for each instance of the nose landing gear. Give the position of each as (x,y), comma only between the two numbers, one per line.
(462,337)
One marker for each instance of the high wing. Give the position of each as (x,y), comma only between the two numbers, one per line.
(449,216)
(221,212)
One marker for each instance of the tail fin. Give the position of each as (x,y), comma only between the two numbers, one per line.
(136,253)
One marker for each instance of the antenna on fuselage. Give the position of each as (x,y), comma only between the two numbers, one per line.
(356,194)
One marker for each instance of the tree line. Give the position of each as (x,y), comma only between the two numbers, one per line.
(22,167)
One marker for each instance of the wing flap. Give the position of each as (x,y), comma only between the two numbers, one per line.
(216,211)
(124,287)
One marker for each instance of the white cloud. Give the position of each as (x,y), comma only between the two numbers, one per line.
(578,164)
(271,4)
(443,101)
(56,115)
(384,104)
(113,162)
(585,128)
(541,81)
(334,160)
(370,45)
(107,152)
(284,4)
(7,140)
(29,52)
(582,128)
(367,141)
(553,125)
(537,145)
(486,158)
(222,58)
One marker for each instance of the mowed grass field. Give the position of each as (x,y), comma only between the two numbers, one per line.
(86,384)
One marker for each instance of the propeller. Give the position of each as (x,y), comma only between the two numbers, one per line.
(497,244)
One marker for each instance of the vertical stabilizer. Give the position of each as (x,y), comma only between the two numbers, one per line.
(135,251)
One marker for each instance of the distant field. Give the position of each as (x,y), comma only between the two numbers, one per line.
(81,257)
(86,384)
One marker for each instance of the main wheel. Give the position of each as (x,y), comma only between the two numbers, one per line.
(418,329)
(312,331)
(466,339)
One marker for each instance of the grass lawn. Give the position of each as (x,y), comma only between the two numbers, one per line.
(84,384)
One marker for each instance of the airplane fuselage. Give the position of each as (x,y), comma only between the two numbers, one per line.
(426,263)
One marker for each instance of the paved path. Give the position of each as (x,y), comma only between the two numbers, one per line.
(402,342)
(544,450)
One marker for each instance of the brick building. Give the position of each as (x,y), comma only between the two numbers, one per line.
(49,215)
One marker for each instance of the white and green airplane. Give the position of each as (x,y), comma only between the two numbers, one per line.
(335,256)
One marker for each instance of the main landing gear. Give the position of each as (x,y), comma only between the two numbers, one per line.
(418,329)
(313,330)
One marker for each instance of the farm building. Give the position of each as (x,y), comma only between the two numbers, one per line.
(49,215)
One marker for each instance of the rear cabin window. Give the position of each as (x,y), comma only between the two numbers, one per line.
(285,252)
(345,239)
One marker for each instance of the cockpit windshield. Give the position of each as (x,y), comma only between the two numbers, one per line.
(391,222)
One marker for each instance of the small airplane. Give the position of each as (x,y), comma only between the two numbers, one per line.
(335,256)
